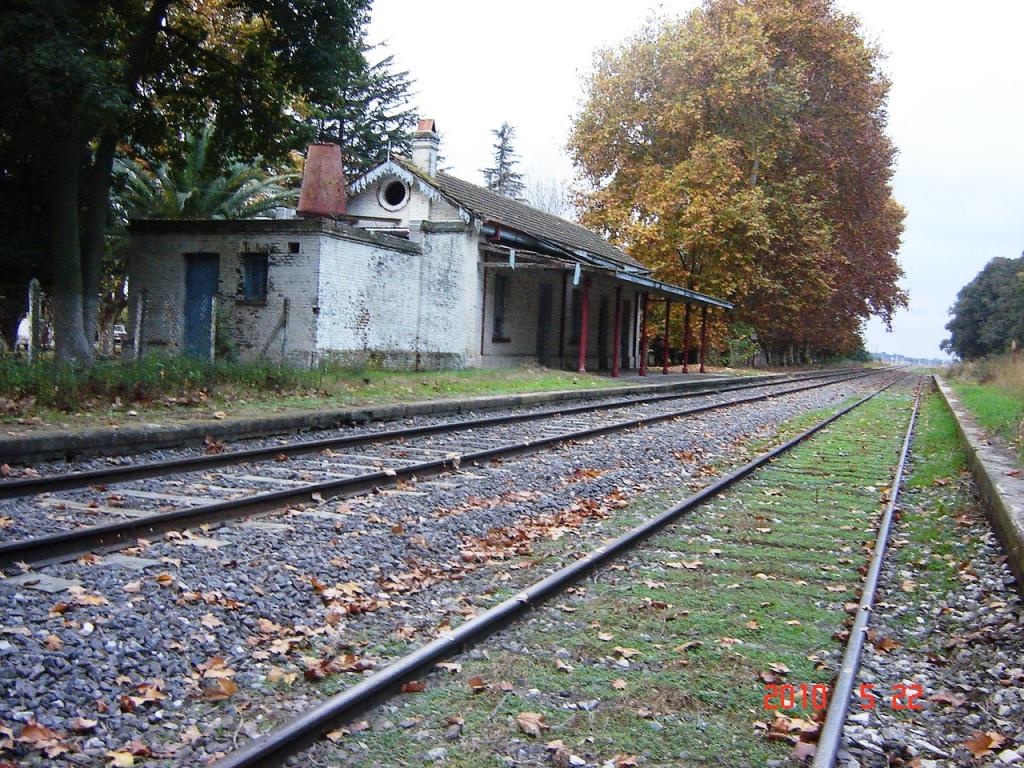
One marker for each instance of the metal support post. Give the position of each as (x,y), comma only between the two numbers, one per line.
(664,338)
(703,335)
(686,338)
(643,334)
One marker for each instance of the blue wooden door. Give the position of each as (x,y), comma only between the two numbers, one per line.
(201,274)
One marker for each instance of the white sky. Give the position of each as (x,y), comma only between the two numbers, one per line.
(956,114)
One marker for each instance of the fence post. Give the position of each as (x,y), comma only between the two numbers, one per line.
(35,315)
(213,328)
(137,321)
(284,328)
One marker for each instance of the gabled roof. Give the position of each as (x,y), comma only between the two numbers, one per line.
(490,206)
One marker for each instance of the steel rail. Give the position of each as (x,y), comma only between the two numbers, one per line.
(65,545)
(839,706)
(275,747)
(117,474)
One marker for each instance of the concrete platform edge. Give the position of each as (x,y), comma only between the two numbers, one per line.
(114,441)
(1002,492)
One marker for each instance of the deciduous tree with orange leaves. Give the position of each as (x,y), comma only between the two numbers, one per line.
(741,150)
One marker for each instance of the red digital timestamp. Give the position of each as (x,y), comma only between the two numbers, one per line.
(815,697)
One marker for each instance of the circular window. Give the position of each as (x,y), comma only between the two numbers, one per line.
(393,194)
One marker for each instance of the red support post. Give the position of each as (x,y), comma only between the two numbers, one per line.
(617,335)
(664,338)
(686,338)
(584,321)
(703,334)
(643,336)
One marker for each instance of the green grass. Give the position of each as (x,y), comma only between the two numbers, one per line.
(704,699)
(169,387)
(993,390)
(936,546)
(1000,411)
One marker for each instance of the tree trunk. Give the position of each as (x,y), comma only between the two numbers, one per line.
(72,345)
(96,197)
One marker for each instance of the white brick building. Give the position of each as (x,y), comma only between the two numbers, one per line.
(423,270)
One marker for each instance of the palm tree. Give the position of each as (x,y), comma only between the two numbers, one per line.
(192,189)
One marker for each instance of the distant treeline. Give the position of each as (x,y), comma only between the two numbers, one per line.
(988,316)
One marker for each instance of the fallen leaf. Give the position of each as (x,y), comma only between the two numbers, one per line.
(278,675)
(981,744)
(531,723)
(83,724)
(477,684)
(947,697)
(885,644)
(219,689)
(38,736)
(119,759)
(215,667)
(54,643)
(414,686)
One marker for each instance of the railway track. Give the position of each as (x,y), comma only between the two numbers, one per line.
(199,490)
(276,747)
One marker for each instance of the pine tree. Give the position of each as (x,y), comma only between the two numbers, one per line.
(367,112)
(503,178)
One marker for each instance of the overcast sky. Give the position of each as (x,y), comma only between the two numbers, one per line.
(956,114)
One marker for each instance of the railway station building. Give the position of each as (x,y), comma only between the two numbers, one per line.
(406,267)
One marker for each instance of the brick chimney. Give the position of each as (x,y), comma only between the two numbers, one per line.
(323,182)
(425,142)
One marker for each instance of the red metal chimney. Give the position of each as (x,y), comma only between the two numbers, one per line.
(323,182)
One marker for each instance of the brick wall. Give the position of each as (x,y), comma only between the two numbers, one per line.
(258,330)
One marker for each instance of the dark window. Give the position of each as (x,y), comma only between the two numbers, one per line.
(293,247)
(254,276)
(394,193)
(500,295)
(576,316)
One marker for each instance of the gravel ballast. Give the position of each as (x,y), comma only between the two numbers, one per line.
(949,602)
(142,648)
